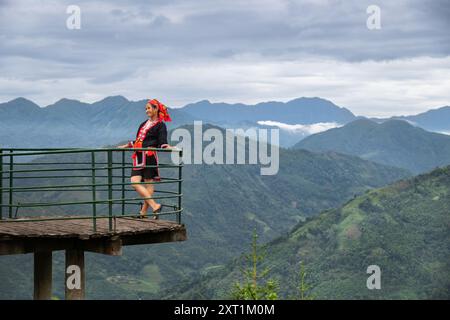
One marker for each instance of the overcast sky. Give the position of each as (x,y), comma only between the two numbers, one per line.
(183,51)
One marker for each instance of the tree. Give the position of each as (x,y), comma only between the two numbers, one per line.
(254,285)
(303,287)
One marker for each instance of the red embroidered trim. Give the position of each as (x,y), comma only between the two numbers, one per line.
(138,145)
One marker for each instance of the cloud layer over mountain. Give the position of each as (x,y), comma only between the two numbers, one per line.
(300,128)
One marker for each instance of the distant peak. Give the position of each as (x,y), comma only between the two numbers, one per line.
(363,120)
(315,101)
(391,123)
(396,122)
(310,99)
(23,102)
(65,100)
(19,99)
(118,98)
(362,123)
(204,102)
(198,103)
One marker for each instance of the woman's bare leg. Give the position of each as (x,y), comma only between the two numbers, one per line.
(151,190)
(143,192)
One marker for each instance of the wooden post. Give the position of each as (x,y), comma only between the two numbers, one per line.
(75,276)
(110,191)
(11,182)
(180,178)
(42,275)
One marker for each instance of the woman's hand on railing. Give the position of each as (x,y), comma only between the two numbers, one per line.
(128,145)
(167,146)
(164,146)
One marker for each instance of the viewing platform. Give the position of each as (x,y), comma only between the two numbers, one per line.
(81,200)
(28,235)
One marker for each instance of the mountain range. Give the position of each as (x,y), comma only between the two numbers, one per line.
(297,111)
(71,123)
(223,204)
(437,120)
(394,142)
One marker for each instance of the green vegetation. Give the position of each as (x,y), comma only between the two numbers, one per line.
(303,287)
(223,204)
(403,228)
(254,285)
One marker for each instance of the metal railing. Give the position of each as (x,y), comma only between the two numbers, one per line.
(31,179)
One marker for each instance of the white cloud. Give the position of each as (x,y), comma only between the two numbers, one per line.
(379,89)
(307,129)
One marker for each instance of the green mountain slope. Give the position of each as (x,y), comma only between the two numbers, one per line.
(223,203)
(394,142)
(403,229)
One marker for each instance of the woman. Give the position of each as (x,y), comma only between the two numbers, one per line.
(151,133)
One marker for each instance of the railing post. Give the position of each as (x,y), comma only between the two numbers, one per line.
(123,182)
(179,186)
(110,193)
(11,167)
(94,197)
(1,184)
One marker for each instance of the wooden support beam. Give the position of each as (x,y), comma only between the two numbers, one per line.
(12,247)
(110,246)
(18,237)
(156,237)
(42,275)
(75,275)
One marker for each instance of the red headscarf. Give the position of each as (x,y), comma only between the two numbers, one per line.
(163,114)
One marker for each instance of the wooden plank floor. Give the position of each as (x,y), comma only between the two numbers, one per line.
(83,228)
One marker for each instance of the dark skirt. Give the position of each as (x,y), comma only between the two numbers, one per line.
(147,173)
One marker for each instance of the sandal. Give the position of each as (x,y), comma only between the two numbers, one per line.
(158,210)
(155,212)
(141,215)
